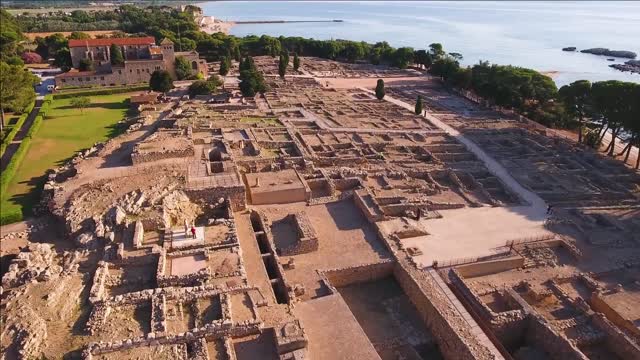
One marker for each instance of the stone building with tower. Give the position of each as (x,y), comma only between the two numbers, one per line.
(141,58)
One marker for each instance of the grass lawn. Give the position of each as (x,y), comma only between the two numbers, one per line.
(65,131)
(264,120)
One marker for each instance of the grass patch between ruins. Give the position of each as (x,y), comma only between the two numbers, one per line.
(255,120)
(65,131)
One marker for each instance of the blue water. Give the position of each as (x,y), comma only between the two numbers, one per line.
(529,34)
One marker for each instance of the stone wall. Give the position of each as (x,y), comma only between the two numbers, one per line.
(307,240)
(598,303)
(144,157)
(358,274)
(616,340)
(490,267)
(540,334)
(235,195)
(450,330)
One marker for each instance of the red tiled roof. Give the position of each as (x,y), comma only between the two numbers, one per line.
(149,40)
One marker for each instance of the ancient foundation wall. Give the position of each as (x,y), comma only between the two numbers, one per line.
(279,196)
(490,267)
(540,334)
(234,194)
(138,158)
(359,274)
(599,304)
(616,340)
(437,314)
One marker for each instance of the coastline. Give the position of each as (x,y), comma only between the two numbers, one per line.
(210,25)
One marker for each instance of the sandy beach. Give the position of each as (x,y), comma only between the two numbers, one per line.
(210,25)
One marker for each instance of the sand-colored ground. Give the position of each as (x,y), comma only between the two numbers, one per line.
(346,341)
(472,232)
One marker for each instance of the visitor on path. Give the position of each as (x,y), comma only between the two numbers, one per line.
(549,210)
(186,229)
(193,231)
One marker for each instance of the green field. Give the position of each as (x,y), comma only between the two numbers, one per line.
(65,131)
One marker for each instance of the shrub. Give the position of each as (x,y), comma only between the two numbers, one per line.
(14,130)
(99,91)
(31,57)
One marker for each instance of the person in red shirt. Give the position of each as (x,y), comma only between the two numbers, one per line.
(193,231)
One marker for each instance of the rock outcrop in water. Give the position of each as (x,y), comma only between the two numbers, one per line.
(629,66)
(570,48)
(614,53)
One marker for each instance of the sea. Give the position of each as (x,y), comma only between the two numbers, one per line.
(521,33)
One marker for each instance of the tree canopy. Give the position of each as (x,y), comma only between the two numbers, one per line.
(205,87)
(16,87)
(117,59)
(419,105)
(183,68)
(161,81)
(380,89)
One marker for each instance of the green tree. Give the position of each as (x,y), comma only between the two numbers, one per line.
(419,105)
(282,66)
(183,68)
(117,59)
(251,80)
(78,35)
(81,102)
(161,81)
(296,62)
(48,46)
(16,88)
(204,87)
(380,89)
(444,67)
(225,65)
(436,51)
(86,65)
(577,100)
(402,57)
(62,59)
(610,105)
(10,35)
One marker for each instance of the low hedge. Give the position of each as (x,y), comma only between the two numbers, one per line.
(8,217)
(102,91)
(14,130)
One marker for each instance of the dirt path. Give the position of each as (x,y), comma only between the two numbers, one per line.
(17,140)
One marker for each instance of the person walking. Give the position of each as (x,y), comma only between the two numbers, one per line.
(186,229)
(549,210)
(193,231)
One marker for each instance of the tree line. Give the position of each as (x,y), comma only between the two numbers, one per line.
(524,90)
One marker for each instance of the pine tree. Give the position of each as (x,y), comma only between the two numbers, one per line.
(296,62)
(419,105)
(380,89)
(282,66)
(224,66)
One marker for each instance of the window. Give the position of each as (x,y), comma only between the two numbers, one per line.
(101,77)
(79,79)
(63,80)
(120,72)
(138,71)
